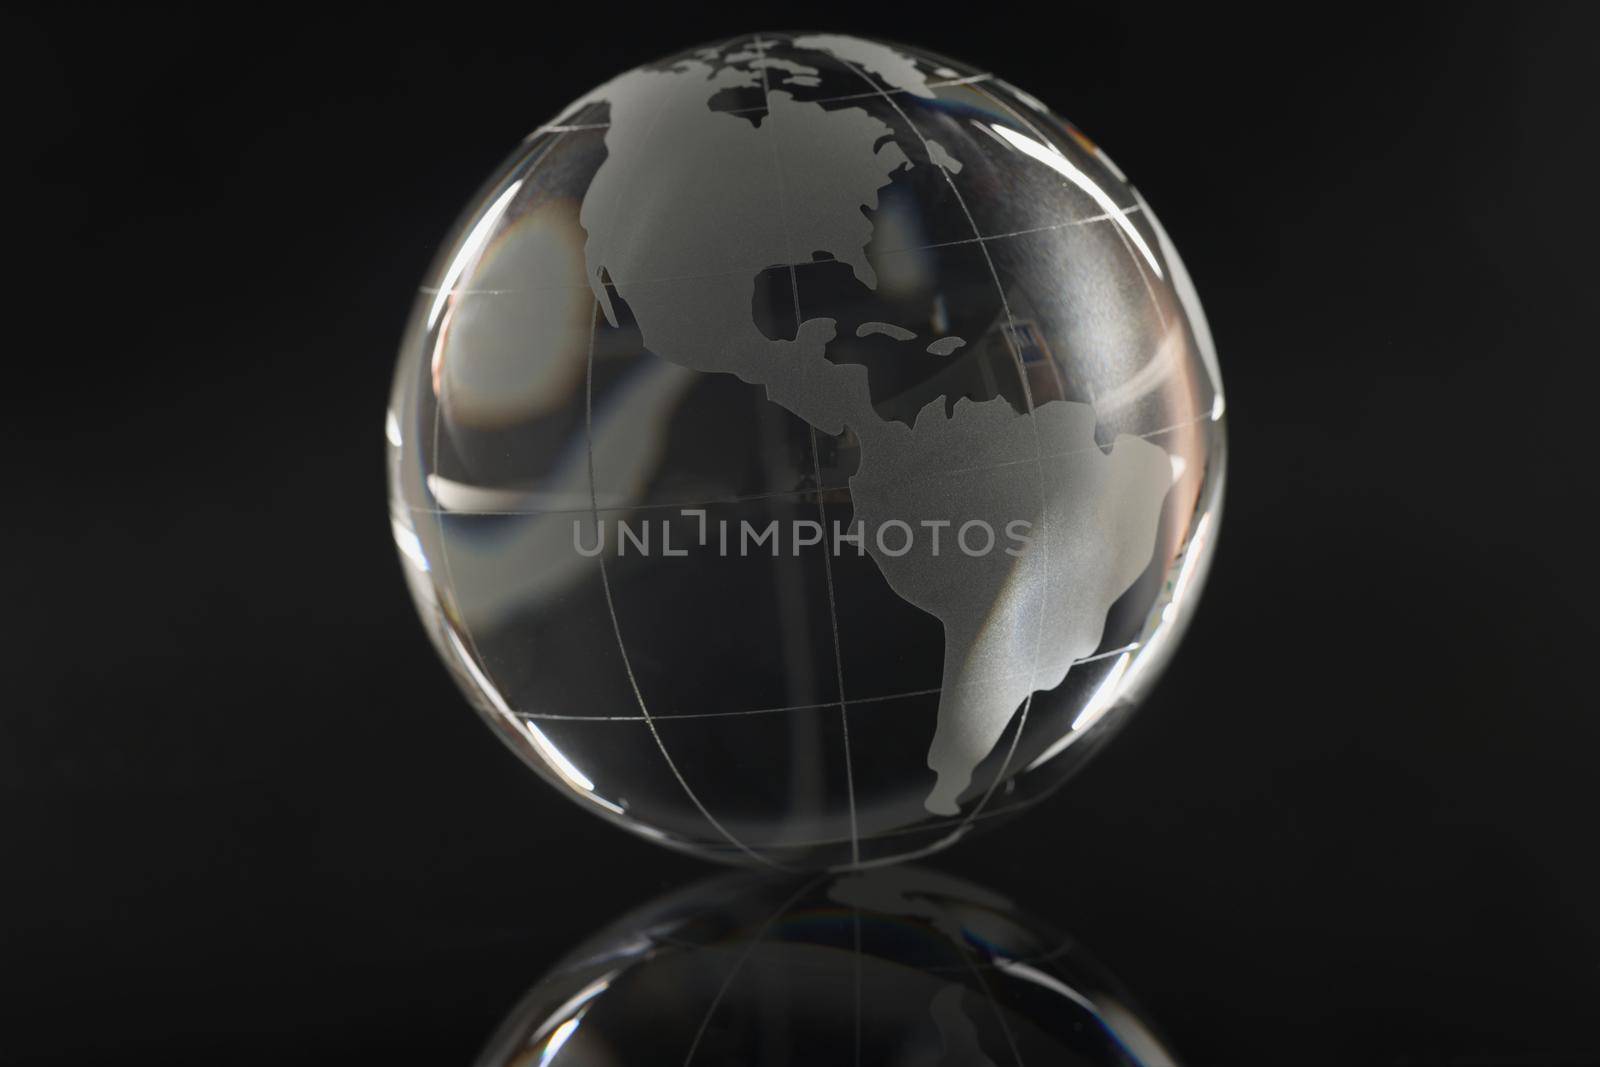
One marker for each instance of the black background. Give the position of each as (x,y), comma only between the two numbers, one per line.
(246,817)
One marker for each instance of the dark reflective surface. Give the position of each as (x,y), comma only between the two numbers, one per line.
(244,820)
(897,966)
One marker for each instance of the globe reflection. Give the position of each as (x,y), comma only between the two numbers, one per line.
(892,966)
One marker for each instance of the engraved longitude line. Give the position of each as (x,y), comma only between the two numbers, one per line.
(838,658)
(1027,393)
(616,624)
(1139,264)
(605,579)
(816,463)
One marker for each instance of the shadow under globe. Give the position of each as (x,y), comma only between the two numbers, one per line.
(895,966)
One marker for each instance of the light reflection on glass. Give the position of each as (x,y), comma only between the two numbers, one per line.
(1052,157)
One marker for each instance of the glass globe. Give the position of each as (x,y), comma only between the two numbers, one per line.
(806,450)
(893,966)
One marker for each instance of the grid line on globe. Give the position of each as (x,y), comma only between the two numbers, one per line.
(970,80)
(1107,216)
(1038,451)
(558,717)
(419,509)
(816,466)
(616,627)
(616,623)
(1038,460)
(974,217)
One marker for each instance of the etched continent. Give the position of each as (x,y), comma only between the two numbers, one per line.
(1015,620)
(693,203)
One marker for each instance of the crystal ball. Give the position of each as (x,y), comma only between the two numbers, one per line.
(806,450)
(887,966)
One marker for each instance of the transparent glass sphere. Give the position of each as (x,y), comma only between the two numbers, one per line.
(893,966)
(806,450)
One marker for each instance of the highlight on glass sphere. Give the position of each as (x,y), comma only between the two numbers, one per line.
(806,450)
(892,966)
